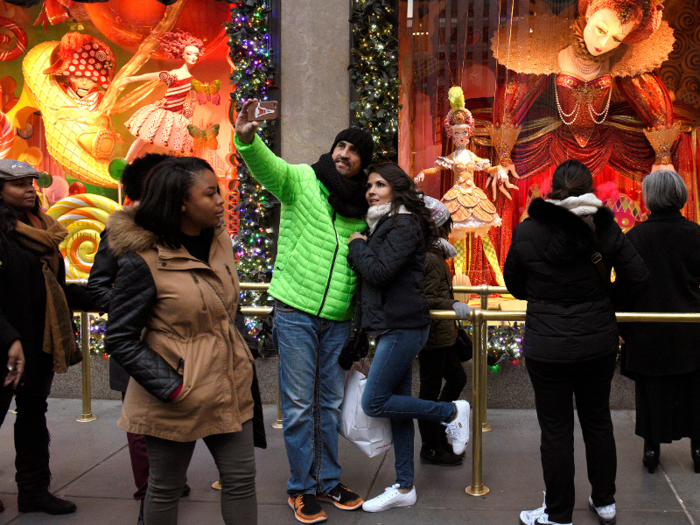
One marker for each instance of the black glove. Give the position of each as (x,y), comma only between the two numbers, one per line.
(355,349)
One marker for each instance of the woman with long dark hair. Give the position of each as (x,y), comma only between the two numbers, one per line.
(35,322)
(389,257)
(560,262)
(171,326)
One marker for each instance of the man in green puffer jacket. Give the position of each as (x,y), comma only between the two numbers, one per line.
(314,291)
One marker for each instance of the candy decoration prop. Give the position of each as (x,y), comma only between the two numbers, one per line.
(84,216)
(7,135)
(20,40)
(116,168)
(76,188)
(45,180)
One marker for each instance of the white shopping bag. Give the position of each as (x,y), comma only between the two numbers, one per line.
(372,435)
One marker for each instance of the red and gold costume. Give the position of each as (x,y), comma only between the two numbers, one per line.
(600,122)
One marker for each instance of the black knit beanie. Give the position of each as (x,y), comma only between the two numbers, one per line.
(361,140)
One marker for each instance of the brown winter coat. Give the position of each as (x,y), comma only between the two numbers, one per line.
(189,321)
(438,291)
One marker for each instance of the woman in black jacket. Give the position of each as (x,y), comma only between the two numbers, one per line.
(664,357)
(35,321)
(389,258)
(560,261)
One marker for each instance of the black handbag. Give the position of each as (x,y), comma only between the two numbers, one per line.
(463,345)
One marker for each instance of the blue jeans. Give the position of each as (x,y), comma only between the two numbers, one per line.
(388,394)
(311,385)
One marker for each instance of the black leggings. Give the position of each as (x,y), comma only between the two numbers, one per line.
(436,364)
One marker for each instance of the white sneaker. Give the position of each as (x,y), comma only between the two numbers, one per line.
(606,514)
(458,429)
(389,499)
(537,517)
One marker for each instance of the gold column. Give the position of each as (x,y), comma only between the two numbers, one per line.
(477,487)
(85,349)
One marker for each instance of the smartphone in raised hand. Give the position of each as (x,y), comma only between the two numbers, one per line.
(266,110)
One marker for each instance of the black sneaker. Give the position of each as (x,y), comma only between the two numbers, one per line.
(306,508)
(186,491)
(44,502)
(443,458)
(342,497)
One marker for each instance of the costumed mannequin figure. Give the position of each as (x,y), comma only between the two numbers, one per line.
(469,206)
(83,64)
(610,50)
(164,123)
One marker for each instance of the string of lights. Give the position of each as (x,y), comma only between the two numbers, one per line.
(374,74)
(251,56)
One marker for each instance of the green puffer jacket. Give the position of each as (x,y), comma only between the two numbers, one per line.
(311,271)
(437,285)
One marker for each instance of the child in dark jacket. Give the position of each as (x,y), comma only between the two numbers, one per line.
(439,358)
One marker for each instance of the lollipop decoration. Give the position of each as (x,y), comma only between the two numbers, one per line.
(20,39)
(7,135)
(84,216)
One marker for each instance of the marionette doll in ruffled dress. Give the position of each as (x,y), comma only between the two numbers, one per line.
(164,123)
(470,208)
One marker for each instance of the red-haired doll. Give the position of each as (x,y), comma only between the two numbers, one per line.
(164,123)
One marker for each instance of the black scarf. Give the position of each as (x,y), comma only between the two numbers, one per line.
(347,195)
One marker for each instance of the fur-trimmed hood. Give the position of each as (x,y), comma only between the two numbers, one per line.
(127,236)
(570,237)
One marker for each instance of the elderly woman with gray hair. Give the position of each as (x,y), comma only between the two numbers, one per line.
(664,358)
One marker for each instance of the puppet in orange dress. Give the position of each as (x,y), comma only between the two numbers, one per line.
(606,57)
(164,123)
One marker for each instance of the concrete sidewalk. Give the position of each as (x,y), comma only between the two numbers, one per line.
(90,465)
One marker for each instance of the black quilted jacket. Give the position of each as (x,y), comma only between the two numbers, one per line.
(390,265)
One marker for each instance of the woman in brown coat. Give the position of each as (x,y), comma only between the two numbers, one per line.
(171,327)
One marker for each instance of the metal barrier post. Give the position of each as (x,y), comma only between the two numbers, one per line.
(278,422)
(484,296)
(85,349)
(477,487)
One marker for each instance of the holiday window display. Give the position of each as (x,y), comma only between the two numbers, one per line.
(78,128)
(539,96)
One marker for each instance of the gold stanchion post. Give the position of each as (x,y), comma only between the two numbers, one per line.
(278,422)
(477,487)
(484,295)
(87,388)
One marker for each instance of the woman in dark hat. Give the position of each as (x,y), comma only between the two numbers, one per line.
(34,320)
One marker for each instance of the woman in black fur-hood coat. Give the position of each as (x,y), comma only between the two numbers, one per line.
(571,310)
(571,338)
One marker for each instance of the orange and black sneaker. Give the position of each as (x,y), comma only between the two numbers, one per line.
(306,508)
(342,497)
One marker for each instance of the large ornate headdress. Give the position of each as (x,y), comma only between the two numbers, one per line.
(645,14)
(458,115)
(83,56)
